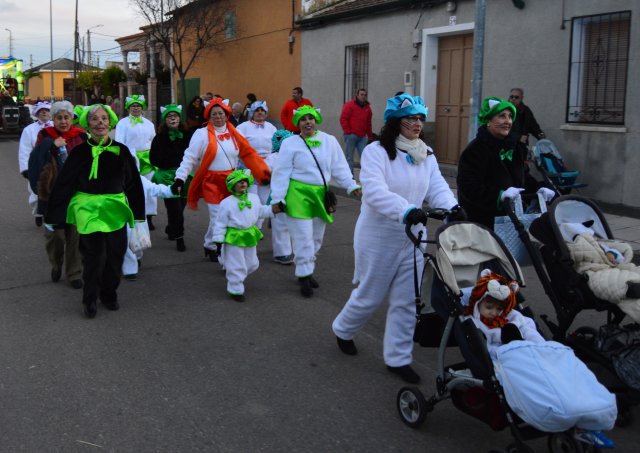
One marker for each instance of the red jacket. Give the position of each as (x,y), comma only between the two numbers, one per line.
(286,116)
(356,119)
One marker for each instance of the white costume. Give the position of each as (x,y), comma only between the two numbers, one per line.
(383,252)
(151,190)
(260,140)
(138,137)
(295,162)
(238,261)
(27,143)
(226,159)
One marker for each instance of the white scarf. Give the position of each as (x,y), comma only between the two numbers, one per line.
(416,148)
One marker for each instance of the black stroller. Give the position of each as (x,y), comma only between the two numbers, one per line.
(612,352)
(463,249)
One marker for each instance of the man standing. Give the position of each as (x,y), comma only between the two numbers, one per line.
(237,115)
(296,101)
(355,120)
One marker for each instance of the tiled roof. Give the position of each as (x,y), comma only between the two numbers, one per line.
(353,8)
(60,64)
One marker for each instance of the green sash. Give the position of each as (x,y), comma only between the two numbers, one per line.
(248,237)
(167,177)
(145,163)
(306,201)
(92,213)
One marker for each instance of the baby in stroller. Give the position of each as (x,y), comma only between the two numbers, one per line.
(492,306)
(607,263)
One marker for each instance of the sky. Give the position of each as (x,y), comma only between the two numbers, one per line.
(28,21)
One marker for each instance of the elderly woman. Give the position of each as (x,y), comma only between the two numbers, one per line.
(305,165)
(53,145)
(490,171)
(213,153)
(167,150)
(399,173)
(99,191)
(259,132)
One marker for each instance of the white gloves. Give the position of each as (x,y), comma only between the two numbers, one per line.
(548,194)
(511,193)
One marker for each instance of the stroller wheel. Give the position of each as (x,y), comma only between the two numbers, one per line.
(412,406)
(565,443)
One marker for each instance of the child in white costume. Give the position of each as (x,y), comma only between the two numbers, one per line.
(27,143)
(137,132)
(131,259)
(259,133)
(235,227)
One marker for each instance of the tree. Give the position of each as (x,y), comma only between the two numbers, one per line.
(111,77)
(90,81)
(185,29)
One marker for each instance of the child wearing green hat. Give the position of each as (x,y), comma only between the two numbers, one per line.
(235,227)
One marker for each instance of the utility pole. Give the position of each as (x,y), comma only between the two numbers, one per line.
(51,48)
(76,55)
(10,43)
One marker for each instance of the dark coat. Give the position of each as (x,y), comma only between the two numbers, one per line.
(167,154)
(116,174)
(482,175)
(525,124)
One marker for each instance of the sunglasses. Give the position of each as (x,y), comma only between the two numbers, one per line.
(514,97)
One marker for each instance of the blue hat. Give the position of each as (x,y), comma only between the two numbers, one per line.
(278,137)
(405,105)
(258,105)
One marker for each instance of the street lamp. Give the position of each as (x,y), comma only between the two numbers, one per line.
(10,43)
(89,60)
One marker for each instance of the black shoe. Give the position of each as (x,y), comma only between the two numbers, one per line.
(39,221)
(406,373)
(347,346)
(76,284)
(212,254)
(169,233)
(180,245)
(113,306)
(55,275)
(633,291)
(509,333)
(237,297)
(314,282)
(150,223)
(305,286)
(130,277)
(90,309)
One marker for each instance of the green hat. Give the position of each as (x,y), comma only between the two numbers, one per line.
(171,108)
(237,176)
(135,99)
(306,110)
(491,107)
(77,111)
(84,120)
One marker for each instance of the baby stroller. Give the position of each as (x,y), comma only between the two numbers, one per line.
(550,164)
(463,249)
(612,352)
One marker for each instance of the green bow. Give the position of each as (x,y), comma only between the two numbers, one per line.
(174,133)
(96,150)
(506,154)
(313,143)
(136,120)
(244,201)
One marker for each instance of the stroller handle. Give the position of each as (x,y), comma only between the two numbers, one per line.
(433,213)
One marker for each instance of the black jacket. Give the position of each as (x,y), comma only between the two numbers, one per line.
(116,174)
(167,154)
(525,124)
(482,175)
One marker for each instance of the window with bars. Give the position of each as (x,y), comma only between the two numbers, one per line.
(230,25)
(356,70)
(598,68)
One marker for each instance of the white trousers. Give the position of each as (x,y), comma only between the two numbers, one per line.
(239,262)
(307,235)
(380,282)
(280,237)
(130,263)
(33,201)
(150,203)
(208,237)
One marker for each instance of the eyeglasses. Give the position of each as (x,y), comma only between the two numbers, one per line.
(414,119)
(514,97)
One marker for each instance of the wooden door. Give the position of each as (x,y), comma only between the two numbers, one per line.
(453,96)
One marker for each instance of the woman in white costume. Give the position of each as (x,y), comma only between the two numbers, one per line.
(398,173)
(259,132)
(303,163)
(137,132)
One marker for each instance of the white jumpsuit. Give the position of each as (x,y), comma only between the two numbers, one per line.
(27,143)
(383,252)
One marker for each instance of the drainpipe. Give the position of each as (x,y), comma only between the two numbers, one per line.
(478,56)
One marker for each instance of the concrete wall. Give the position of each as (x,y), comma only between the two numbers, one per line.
(530,50)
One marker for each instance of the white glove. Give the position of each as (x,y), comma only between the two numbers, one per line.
(511,193)
(548,194)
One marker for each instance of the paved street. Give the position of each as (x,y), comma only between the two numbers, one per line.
(183,368)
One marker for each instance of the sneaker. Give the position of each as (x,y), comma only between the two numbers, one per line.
(286,259)
(595,438)
(237,297)
(406,373)
(76,284)
(130,277)
(347,346)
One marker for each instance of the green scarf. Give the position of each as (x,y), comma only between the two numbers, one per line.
(244,200)
(136,120)
(98,149)
(312,143)
(174,133)
(506,154)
